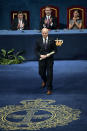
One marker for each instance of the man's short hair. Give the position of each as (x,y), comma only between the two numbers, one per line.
(20,12)
(47,7)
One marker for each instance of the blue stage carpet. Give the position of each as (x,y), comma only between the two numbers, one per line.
(21,82)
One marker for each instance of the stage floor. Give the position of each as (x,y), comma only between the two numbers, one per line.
(21,82)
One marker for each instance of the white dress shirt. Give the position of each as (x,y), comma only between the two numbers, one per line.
(45,40)
(48,17)
(20,21)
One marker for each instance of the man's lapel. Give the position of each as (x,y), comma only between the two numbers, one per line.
(49,40)
(41,41)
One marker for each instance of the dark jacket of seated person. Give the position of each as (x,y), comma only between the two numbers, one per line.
(19,24)
(49,24)
(48,21)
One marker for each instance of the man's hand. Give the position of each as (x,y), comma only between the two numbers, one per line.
(23,25)
(47,55)
(18,26)
(45,21)
(50,20)
(43,56)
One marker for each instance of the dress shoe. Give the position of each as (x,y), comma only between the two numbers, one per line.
(49,92)
(43,84)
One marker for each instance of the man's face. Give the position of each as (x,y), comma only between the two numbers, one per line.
(76,14)
(45,33)
(48,11)
(20,16)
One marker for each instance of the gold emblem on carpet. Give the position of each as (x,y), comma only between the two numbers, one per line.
(36,114)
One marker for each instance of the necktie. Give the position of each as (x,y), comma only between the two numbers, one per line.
(45,43)
(21,24)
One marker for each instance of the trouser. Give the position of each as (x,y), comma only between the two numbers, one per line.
(46,72)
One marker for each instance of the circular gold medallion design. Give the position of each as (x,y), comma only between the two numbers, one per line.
(36,114)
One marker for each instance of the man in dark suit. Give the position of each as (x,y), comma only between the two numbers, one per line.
(45,45)
(49,21)
(19,23)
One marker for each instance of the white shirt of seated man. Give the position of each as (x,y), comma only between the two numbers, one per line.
(48,18)
(20,21)
(45,40)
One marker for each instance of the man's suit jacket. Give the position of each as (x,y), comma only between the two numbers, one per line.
(15,24)
(54,20)
(40,50)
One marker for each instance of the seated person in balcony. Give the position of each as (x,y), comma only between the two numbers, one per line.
(75,22)
(19,23)
(49,21)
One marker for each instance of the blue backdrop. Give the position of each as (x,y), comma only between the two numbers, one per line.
(6,6)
